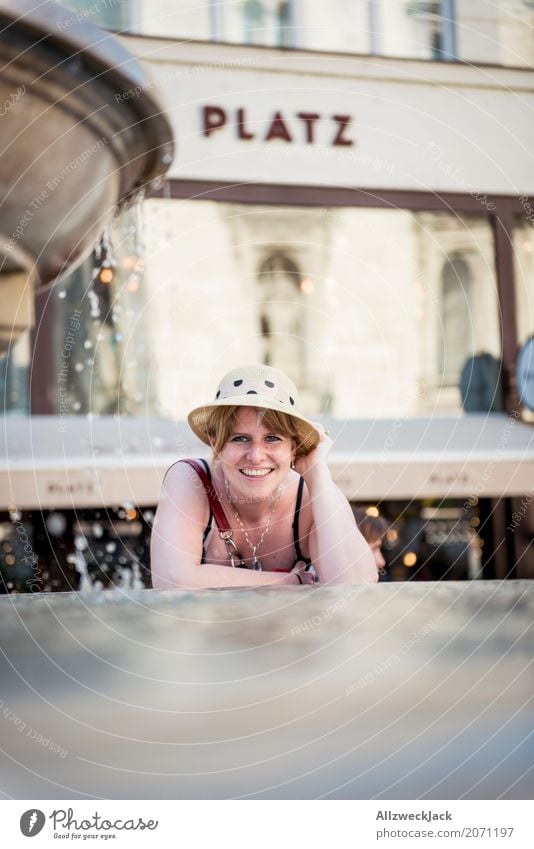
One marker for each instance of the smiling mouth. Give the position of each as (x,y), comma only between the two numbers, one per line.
(256,473)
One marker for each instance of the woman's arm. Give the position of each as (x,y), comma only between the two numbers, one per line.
(176,542)
(338,551)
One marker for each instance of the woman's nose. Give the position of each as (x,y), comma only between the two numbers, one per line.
(255,451)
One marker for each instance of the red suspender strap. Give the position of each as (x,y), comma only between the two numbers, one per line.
(225,532)
(215,505)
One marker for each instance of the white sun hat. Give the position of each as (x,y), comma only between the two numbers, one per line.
(256,386)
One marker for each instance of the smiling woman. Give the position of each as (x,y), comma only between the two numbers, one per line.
(265,503)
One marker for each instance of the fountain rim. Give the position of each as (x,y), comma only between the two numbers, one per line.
(114,63)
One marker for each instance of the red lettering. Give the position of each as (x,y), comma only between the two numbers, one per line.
(213,118)
(309,119)
(278,129)
(343,122)
(241,128)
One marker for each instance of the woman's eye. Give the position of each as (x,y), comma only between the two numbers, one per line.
(273,438)
(239,439)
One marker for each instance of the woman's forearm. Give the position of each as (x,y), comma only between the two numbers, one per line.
(343,556)
(212,575)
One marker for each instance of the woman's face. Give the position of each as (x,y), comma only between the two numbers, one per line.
(255,460)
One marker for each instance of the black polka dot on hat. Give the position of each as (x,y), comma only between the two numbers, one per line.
(291,401)
(217,395)
(270,384)
(252,392)
(238,382)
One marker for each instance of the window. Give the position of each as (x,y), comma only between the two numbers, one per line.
(419,29)
(374,312)
(455,317)
(281,315)
(265,22)
(480,31)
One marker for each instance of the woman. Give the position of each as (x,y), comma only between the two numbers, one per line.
(265,504)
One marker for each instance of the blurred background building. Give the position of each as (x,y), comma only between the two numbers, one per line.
(350,203)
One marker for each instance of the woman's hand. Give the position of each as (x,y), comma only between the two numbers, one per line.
(316,459)
(304,577)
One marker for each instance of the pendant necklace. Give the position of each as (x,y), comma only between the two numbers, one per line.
(256,565)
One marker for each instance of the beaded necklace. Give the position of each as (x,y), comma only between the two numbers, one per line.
(256,565)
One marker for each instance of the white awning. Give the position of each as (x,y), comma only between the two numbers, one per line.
(76,462)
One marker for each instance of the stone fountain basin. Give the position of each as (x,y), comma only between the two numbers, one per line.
(71,148)
(397,691)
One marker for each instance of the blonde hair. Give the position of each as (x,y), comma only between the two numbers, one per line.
(221,420)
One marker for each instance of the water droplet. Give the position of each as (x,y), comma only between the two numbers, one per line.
(56,524)
(76,405)
(80,543)
(62,294)
(87,344)
(79,367)
(111,546)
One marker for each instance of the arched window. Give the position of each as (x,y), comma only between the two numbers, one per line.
(455,332)
(281,317)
